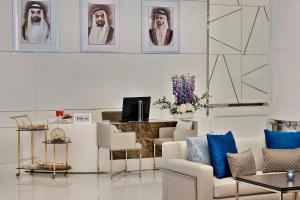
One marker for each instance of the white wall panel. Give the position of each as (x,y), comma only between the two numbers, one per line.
(69,25)
(68,81)
(6,31)
(130,26)
(288,23)
(193,27)
(255,30)
(247,126)
(126,75)
(225,83)
(255,2)
(225,29)
(17,88)
(226,2)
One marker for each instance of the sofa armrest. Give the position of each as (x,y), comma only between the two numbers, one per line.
(201,174)
(174,150)
(166,132)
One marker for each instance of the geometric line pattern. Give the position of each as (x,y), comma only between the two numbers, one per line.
(254,70)
(251,30)
(213,69)
(254,87)
(266,14)
(225,15)
(231,79)
(230,46)
(258,14)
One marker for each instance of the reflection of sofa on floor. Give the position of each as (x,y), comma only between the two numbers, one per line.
(186,180)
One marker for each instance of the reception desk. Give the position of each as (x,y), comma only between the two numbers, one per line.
(146,132)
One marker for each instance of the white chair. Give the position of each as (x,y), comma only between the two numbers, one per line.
(110,138)
(168,134)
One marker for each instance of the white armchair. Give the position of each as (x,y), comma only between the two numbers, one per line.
(168,134)
(110,138)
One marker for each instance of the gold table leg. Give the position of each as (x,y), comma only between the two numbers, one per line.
(32,149)
(54,164)
(46,149)
(19,153)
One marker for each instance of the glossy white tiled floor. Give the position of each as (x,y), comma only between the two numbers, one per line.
(79,187)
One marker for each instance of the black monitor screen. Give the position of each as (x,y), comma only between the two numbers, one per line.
(130,108)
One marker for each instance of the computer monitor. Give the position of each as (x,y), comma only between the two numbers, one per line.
(132,106)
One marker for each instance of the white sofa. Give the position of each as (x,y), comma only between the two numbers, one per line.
(186,180)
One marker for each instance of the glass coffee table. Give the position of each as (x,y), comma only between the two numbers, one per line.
(273,182)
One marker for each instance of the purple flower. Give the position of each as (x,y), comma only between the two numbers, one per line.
(183,88)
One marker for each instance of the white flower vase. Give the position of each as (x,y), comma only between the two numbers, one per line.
(186,116)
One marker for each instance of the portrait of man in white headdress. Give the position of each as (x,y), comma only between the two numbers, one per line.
(36,24)
(161,32)
(101,28)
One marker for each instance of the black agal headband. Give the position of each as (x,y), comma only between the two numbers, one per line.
(36,6)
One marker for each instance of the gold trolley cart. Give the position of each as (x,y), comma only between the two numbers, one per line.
(57,136)
(24,124)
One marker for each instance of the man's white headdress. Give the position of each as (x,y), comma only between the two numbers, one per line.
(98,35)
(37,32)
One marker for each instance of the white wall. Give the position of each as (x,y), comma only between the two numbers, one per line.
(39,83)
(284,57)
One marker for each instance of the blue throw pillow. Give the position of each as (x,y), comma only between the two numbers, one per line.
(197,149)
(282,140)
(219,146)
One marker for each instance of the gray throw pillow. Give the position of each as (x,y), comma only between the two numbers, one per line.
(280,160)
(241,164)
(197,150)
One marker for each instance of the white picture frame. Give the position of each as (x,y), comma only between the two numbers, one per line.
(35,25)
(160,15)
(93,38)
(82,118)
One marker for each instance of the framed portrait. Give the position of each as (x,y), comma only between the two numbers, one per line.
(99,25)
(160,26)
(35,25)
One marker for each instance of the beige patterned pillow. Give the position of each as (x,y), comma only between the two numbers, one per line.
(241,164)
(280,160)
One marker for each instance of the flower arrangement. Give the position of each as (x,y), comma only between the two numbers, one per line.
(185,99)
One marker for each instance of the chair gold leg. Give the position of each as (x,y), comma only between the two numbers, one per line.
(126,155)
(19,154)
(140,164)
(154,147)
(98,161)
(111,164)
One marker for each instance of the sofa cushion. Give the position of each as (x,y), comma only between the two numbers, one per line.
(282,140)
(280,160)
(219,146)
(225,188)
(241,164)
(197,149)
